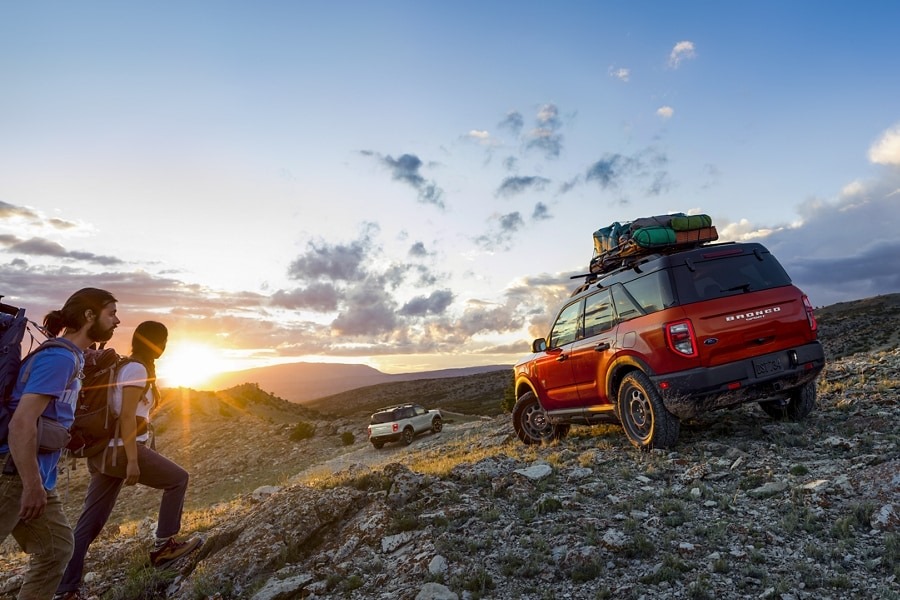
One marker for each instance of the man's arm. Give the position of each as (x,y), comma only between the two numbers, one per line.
(23,447)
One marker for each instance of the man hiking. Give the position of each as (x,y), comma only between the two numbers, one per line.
(30,509)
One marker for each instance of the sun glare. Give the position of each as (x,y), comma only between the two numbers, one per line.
(189,364)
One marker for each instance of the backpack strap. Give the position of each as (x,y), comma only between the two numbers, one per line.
(25,371)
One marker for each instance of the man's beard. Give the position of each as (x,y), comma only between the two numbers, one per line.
(96,333)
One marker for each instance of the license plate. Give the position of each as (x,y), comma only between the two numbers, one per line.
(769,366)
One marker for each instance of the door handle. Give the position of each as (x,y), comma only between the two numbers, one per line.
(601,347)
(562,357)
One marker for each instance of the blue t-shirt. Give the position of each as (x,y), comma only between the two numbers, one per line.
(54,372)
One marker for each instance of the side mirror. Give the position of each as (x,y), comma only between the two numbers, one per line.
(539,345)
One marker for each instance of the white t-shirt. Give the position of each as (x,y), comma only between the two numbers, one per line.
(132,374)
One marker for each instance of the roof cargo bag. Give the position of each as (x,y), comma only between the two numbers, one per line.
(619,243)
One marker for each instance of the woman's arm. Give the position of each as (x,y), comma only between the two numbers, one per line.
(131,395)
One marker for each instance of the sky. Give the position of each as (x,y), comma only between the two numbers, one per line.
(412,185)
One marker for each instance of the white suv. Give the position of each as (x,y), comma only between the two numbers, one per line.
(403,423)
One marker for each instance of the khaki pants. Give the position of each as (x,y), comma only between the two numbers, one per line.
(47,539)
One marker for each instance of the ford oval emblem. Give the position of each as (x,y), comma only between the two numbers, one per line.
(711,341)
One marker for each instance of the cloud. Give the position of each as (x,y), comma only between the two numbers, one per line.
(541,212)
(532,301)
(511,222)
(406,170)
(370,310)
(886,151)
(620,74)
(548,116)
(545,137)
(434,304)
(567,186)
(609,170)
(516,185)
(665,112)
(424,277)
(10,211)
(335,262)
(613,170)
(513,122)
(681,52)
(43,247)
(546,141)
(418,250)
(482,138)
(502,230)
(868,271)
(842,250)
(318,297)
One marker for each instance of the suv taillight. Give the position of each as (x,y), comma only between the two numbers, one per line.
(395,427)
(809,314)
(680,337)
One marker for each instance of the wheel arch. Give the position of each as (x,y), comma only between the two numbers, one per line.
(523,386)
(622,366)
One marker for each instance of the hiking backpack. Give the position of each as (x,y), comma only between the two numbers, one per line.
(95,420)
(13,325)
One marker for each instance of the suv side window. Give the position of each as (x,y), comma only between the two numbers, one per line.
(626,305)
(651,291)
(598,313)
(567,327)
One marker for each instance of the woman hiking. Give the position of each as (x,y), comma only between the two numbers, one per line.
(128,460)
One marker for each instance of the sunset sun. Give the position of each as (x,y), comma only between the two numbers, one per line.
(189,364)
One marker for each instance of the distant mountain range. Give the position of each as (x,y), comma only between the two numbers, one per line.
(846,327)
(303,381)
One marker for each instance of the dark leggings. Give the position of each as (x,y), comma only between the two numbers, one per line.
(157,472)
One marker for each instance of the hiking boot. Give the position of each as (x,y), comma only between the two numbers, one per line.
(173,550)
(76,595)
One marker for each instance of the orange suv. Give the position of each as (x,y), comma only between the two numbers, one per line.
(668,337)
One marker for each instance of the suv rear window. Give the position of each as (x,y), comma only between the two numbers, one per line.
(384,417)
(727,276)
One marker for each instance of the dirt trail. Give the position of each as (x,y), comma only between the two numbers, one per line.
(367,456)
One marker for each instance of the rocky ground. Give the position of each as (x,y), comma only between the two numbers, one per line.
(742,507)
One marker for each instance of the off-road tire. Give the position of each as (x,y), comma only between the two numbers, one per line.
(437,424)
(378,445)
(531,422)
(407,436)
(796,407)
(644,418)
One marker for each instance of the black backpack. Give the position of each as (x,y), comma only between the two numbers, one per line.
(95,421)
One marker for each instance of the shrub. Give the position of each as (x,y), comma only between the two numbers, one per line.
(509,396)
(302,431)
(347,438)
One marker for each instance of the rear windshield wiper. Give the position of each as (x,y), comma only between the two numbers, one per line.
(744,287)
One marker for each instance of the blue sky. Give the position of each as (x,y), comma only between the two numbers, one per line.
(411,185)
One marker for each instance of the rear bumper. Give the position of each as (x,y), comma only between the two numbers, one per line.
(766,377)
(385,437)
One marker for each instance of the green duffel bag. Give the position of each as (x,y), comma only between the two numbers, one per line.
(690,223)
(654,237)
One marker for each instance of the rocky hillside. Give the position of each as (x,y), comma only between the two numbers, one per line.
(861,326)
(744,507)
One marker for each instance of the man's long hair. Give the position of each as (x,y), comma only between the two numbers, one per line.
(71,315)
